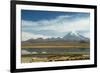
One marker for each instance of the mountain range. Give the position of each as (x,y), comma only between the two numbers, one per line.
(69,37)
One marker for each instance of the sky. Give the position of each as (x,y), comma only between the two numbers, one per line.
(47,24)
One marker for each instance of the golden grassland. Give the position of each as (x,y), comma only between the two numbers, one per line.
(56,45)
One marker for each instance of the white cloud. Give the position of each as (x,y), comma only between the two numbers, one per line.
(80,25)
(87,34)
(59,24)
(27,35)
(57,20)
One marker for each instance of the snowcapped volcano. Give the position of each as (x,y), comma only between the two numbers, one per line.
(74,36)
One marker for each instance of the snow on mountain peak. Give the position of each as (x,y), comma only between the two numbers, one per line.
(74,36)
(74,33)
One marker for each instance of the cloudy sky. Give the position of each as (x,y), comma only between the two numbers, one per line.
(48,24)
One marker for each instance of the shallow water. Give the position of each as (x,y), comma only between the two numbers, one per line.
(54,50)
